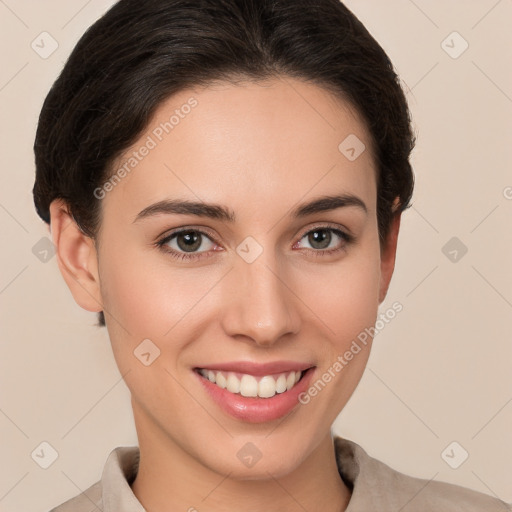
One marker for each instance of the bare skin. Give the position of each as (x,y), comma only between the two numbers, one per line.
(261,150)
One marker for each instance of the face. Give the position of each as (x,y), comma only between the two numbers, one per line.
(219,248)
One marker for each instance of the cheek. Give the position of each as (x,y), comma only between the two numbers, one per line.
(147,298)
(145,295)
(347,307)
(148,302)
(345,297)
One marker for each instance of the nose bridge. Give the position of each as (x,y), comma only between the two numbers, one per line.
(261,306)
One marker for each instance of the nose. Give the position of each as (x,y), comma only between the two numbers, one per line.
(260,303)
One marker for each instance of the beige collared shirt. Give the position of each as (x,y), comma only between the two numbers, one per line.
(375,487)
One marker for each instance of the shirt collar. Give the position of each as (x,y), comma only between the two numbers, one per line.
(118,474)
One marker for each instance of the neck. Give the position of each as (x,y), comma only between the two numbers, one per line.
(169,478)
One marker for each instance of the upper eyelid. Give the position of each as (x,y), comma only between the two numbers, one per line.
(325,225)
(200,229)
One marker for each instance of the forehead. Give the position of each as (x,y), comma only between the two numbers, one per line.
(279,140)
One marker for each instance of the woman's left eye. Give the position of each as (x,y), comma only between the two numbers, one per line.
(192,244)
(325,240)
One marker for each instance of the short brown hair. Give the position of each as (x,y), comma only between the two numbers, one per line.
(140,53)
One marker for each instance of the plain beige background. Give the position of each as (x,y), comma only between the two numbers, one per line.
(439,372)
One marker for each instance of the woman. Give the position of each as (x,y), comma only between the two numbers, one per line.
(224,182)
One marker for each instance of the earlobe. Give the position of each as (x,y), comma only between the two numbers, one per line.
(388,256)
(76,257)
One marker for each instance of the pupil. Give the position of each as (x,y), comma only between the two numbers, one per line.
(321,237)
(189,241)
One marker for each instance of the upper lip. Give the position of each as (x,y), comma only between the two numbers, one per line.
(259,369)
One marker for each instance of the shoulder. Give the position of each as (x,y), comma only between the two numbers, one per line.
(112,493)
(90,499)
(376,486)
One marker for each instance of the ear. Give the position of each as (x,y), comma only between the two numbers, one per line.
(76,257)
(388,255)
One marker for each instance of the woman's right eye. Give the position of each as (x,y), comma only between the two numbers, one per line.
(187,244)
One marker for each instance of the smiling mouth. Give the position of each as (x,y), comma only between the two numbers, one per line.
(247,385)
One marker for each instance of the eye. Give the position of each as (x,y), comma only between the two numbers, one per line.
(188,244)
(324,240)
(193,244)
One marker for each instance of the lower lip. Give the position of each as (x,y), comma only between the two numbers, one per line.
(257,410)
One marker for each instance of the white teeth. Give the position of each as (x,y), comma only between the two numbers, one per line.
(290,381)
(267,387)
(281,384)
(220,380)
(249,386)
(233,384)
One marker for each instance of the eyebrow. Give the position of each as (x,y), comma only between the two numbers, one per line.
(220,212)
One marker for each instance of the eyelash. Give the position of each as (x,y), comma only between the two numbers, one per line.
(161,244)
